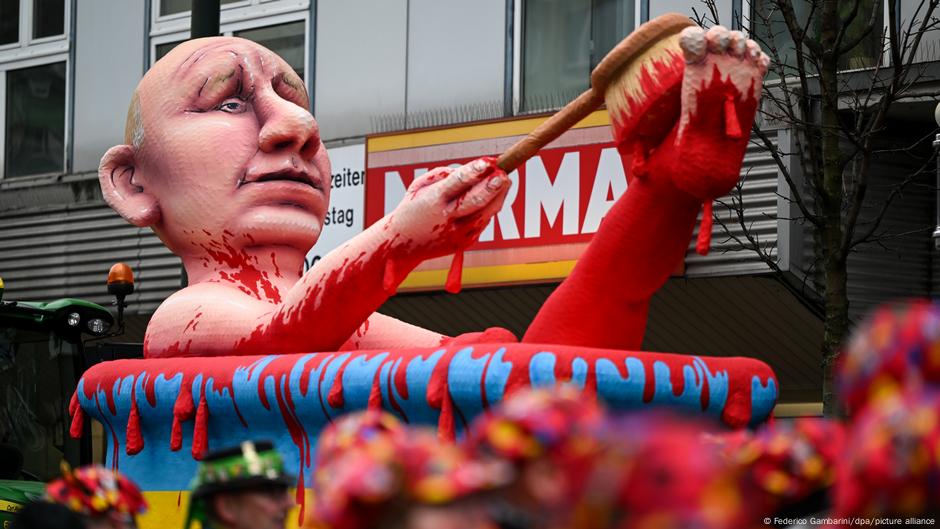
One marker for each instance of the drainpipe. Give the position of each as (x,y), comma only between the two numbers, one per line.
(936,148)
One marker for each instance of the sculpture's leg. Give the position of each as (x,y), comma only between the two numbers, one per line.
(644,237)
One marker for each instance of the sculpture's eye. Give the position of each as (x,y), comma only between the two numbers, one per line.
(233,105)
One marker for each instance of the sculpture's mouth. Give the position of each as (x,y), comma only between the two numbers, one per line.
(285,175)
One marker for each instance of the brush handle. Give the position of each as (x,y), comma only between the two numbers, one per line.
(550,129)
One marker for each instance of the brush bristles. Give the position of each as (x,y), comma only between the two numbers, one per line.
(644,77)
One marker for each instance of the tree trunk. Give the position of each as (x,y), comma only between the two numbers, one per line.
(835,326)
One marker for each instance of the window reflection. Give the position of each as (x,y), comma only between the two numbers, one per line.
(771,32)
(35,120)
(562,41)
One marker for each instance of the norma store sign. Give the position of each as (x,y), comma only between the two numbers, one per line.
(555,204)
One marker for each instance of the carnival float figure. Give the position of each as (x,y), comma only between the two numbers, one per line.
(224,162)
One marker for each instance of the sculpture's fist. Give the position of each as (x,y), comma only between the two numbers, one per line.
(444,210)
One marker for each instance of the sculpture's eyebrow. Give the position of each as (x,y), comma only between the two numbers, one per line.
(289,86)
(223,73)
(197,55)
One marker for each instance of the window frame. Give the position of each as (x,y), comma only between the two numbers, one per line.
(234,17)
(28,52)
(518,37)
(747,24)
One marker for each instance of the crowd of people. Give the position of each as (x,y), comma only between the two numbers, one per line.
(547,458)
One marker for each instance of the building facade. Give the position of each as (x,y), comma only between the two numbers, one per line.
(393,82)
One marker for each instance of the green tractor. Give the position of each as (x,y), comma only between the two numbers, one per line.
(44,349)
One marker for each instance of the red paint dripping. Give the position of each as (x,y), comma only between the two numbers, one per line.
(452,284)
(78,417)
(201,429)
(732,127)
(649,382)
(375,394)
(150,390)
(563,370)
(248,276)
(335,397)
(446,426)
(706,396)
(133,440)
(677,379)
(704,241)
(299,437)
(391,394)
(277,271)
(183,410)
(401,377)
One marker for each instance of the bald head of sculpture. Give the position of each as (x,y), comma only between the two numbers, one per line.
(220,149)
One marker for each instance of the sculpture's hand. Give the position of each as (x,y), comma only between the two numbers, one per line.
(445,209)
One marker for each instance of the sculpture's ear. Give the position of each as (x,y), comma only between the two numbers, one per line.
(121,187)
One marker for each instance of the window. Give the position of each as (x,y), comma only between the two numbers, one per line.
(33,87)
(562,41)
(48,18)
(9,21)
(279,25)
(163,49)
(771,32)
(170,7)
(35,120)
(286,40)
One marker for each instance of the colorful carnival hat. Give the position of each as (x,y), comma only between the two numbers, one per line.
(660,470)
(897,346)
(358,471)
(533,423)
(378,478)
(248,466)
(790,462)
(96,491)
(891,465)
(356,429)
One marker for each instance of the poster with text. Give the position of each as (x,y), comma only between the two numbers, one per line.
(345,214)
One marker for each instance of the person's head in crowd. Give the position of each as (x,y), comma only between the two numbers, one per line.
(104,498)
(46,515)
(659,470)
(372,473)
(549,436)
(891,464)
(897,347)
(243,487)
(356,429)
(790,465)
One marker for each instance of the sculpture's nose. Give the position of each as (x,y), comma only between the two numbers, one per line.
(286,126)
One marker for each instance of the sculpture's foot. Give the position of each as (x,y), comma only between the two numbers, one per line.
(720,92)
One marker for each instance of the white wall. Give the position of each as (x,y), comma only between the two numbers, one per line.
(109,61)
(456,53)
(360,64)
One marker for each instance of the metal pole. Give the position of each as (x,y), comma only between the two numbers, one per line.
(205,20)
(936,231)
(936,150)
